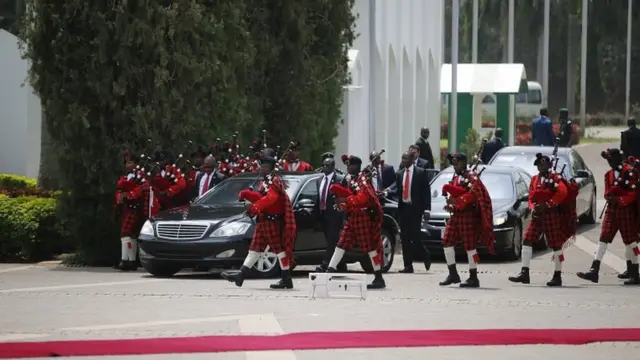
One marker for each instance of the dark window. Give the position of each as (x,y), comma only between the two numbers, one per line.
(226,193)
(499,186)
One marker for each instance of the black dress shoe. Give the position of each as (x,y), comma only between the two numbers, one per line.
(522,278)
(406,271)
(342,267)
(237,277)
(625,275)
(285,282)
(378,281)
(472,281)
(591,275)
(321,268)
(556,280)
(122,266)
(634,275)
(452,278)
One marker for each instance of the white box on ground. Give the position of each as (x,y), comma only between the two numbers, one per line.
(338,285)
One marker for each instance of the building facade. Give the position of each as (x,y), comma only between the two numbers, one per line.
(395,68)
(20,113)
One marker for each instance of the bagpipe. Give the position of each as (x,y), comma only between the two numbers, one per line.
(465,180)
(173,173)
(545,190)
(625,182)
(233,162)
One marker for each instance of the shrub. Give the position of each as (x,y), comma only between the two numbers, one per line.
(30,229)
(10,182)
(523,132)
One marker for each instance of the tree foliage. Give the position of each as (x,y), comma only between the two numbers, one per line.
(111,74)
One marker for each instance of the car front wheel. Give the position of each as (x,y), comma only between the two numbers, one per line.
(267,265)
(161,270)
(516,243)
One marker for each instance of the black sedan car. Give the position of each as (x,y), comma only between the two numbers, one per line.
(509,191)
(212,232)
(574,168)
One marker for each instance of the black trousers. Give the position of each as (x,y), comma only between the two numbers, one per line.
(332,225)
(411,236)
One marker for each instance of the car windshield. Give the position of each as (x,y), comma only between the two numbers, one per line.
(525,162)
(226,193)
(499,186)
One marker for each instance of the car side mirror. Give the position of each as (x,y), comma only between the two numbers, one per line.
(305,204)
(582,174)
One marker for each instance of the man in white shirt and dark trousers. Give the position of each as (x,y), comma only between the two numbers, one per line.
(331,219)
(414,202)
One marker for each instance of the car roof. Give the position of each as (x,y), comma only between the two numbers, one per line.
(532,150)
(286,175)
(491,169)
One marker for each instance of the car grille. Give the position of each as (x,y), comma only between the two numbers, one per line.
(181,230)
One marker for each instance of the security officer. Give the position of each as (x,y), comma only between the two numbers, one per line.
(566,128)
(630,139)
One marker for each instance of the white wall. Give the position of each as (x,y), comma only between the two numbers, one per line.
(395,78)
(20,113)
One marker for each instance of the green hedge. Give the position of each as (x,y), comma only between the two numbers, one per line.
(17,182)
(30,229)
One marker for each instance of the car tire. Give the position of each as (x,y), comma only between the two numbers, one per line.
(389,246)
(590,217)
(267,265)
(161,270)
(515,251)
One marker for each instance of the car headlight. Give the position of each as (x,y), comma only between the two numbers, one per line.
(500,219)
(230,230)
(147,228)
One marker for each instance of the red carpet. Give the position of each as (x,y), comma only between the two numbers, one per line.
(317,340)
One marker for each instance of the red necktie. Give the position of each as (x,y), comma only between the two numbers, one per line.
(205,187)
(405,186)
(323,195)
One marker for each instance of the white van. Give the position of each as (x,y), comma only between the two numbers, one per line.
(527,104)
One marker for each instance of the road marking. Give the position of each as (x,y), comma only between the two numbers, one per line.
(18,337)
(17,268)
(264,324)
(152,323)
(610,259)
(78,286)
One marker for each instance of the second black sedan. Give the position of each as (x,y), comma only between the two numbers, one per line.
(570,163)
(509,191)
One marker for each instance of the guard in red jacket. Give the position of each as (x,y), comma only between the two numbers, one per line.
(363,225)
(547,193)
(275,225)
(129,208)
(471,220)
(620,184)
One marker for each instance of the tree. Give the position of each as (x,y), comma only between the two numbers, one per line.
(111,74)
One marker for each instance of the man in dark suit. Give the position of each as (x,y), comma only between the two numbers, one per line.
(425,148)
(208,177)
(492,146)
(331,219)
(630,139)
(542,130)
(414,151)
(385,174)
(414,202)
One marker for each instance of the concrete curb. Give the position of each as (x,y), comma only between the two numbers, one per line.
(51,264)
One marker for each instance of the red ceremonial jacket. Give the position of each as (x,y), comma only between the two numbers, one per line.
(269,203)
(303,166)
(538,192)
(624,193)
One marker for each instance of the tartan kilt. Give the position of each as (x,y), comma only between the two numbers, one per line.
(463,227)
(359,228)
(131,221)
(623,219)
(268,233)
(549,223)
